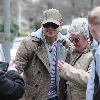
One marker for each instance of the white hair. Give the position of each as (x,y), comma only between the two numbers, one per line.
(79,26)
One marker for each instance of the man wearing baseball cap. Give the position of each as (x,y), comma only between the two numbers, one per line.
(38,55)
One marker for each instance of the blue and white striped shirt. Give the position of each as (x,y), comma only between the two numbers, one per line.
(53,57)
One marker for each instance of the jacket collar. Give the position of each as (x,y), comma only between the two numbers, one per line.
(39,35)
(87,49)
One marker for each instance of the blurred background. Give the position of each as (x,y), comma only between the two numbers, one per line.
(20,17)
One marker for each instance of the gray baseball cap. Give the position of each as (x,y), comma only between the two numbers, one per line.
(52,15)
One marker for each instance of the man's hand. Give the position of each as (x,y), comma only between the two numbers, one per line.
(60,65)
(12,66)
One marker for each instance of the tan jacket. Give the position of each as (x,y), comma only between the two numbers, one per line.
(77,74)
(32,58)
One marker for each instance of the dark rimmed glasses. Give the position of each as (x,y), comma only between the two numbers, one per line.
(74,39)
(50,25)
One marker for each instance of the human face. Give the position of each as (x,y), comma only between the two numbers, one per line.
(95,31)
(79,42)
(50,29)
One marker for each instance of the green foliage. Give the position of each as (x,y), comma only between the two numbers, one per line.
(1,27)
(13,27)
(36,24)
(23,33)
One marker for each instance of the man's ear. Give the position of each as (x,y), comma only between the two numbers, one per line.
(41,23)
(61,23)
(92,28)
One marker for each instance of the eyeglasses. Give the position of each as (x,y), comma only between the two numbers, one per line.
(76,40)
(50,25)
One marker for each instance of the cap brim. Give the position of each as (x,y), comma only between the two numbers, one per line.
(51,20)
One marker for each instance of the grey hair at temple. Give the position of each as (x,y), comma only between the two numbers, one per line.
(79,26)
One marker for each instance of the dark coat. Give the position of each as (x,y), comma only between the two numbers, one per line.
(11,85)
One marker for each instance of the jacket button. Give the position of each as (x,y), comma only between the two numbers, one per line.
(36,86)
(33,98)
(38,72)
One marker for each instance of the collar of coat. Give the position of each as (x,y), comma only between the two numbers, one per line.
(38,36)
(87,49)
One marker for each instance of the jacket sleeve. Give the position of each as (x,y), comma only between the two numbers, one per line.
(90,84)
(78,76)
(11,84)
(97,61)
(24,55)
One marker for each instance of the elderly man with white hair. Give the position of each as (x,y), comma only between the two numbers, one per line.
(76,72)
